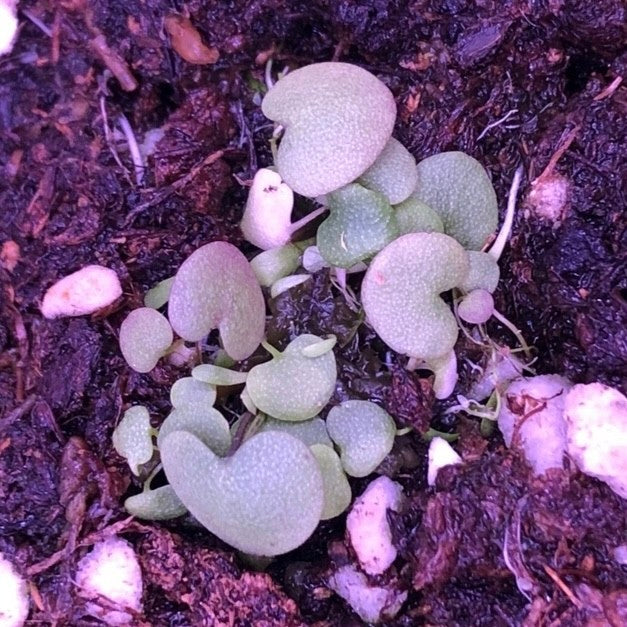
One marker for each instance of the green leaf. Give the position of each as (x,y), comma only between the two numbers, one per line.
(320,348)
(364,433)
(393,174)
(458,188)
(159,504)
(309,432)
(414,216)
(337,490)
(216,375)
(401,293)
(276,263)
(483,273)
(132,438)
(206,423)
(361,223)
(216,288)
(337,118)
(293,386)
(145,335)
(189,391)
(265,500)
(158,295)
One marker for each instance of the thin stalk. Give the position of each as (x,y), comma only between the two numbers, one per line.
(499,243)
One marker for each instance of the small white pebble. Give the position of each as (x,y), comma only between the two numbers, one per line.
(111,570)
(13,594)
(596,423)
(620,554)
(441,454)
(368,528)
(548,198)
(372,603)
(82,292)
(8,25)
(531,419)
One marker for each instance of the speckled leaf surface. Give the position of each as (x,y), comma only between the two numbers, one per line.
(159,504)
(264,500)
(205,422)
(216,288)
(458,188)
(132,438)
(189,391)
(337,118)
(393,174)
(364,433)
(476,307)
(217,375)
(401,293)
(309,432)
(337,490)
(361,223)
(145,335)
(413,216)
(483,272)
(292,386)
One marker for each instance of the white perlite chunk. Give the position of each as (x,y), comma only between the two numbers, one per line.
(82,292)
(111,570)
(368,528)
(8,25)
(441,454)
(596,421)
(531,419)
(371,602)
(13,595)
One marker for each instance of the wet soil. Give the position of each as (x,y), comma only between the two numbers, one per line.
(536,84)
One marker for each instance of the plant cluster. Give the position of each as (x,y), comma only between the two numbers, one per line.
(263,483)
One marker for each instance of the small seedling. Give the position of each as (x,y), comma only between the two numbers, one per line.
(266,499)
(337,119)
(145,336)
(293,386)
(216,288)
(364,433)
(132,438)
(361,223)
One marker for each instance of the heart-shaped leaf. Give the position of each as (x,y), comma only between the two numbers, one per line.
(145,335)
(159,504)
(132,438)
(293,386)
(205,422)
(309,432)
(413,216)
(190,391)
(265,500)
(483,272)
(393,174)
(276,263)
(337,118)
(458,188)
(267,220)
(337,490)
(216,288)
(401,293)
(364,433)
(361,223)
(216,375)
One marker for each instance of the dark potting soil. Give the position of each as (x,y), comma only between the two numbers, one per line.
(511,83)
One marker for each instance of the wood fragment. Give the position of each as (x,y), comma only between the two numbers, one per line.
(118,66)
(563,587)
(610,89)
